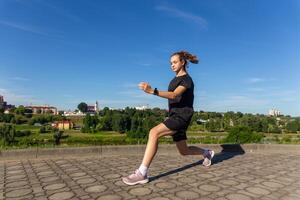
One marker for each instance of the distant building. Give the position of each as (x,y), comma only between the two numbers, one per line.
(274,112)
(3,105)
(43,109)
(141,107)
(73,113)
(94,108)
(63,125)
(202,121)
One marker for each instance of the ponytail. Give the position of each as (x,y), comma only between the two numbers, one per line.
(186,56)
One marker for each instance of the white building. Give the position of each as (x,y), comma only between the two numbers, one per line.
(141,107)
(73,113)
(274,112)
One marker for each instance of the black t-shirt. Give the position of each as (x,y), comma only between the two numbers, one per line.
(186,100)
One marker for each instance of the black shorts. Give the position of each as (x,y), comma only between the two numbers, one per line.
(179,121)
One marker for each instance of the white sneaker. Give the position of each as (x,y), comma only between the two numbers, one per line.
(208,156)
(135,178)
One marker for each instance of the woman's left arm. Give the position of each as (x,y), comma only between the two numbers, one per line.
(164,94)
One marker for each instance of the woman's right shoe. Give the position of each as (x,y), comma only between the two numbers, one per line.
(208,156)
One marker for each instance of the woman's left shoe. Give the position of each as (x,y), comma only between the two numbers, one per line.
(135,178)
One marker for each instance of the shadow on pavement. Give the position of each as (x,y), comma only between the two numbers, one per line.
(228,152)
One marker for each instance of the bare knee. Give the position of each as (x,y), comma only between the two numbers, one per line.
(153,134)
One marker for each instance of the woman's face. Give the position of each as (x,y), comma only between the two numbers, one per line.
(176,63)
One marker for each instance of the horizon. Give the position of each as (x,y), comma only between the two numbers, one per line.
(146,107)
(61,53)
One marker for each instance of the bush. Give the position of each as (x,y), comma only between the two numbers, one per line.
(23,133)
(43,129)
(139,134)
(47,129)
(57,136)
(28,141)
(7,134)
(243,134)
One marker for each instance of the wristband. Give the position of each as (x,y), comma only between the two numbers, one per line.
(155,92)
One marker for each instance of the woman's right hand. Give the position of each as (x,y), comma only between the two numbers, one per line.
(145,87)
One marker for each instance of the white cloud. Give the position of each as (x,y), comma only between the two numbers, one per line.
(22,27)
(18,99)
(255,80)
(175,12)
(16,78)
(239,102)
(61,11)
(130,85)
(256,89)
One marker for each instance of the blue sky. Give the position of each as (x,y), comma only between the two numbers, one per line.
(63,52)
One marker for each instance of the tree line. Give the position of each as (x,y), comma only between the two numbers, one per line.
(137,123)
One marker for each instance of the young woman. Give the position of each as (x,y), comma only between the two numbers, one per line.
(180,95)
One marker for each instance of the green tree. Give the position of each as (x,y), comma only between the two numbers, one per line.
(292,126)
(7,133)
(87,124)
(83,107)
(90,123)
(6,118)
(57,137)
(118,123)
(20,110)
(242,134)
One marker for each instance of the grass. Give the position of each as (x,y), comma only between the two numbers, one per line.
(74,138)
(27,128)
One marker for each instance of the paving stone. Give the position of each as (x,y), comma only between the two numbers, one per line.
(110,197)
(16,184)
(238,197)
(140,191)
(96,188)
(45,173)
(78,174)
(18,193)
(228,182)
(86,180)
(210,188)
(187,195)
(257,190)
(262,176)
(55,186)
(165,185)
(49,179)
(272,184)
(160,198)
(61,196)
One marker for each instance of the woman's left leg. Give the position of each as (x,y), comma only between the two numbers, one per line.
(140,175)
(154,134)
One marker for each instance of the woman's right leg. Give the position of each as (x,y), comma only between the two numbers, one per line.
(193,150)
(188,150)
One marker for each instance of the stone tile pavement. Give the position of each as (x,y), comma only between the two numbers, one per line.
(234,175)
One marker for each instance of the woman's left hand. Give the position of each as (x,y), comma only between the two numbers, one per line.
(146,87)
